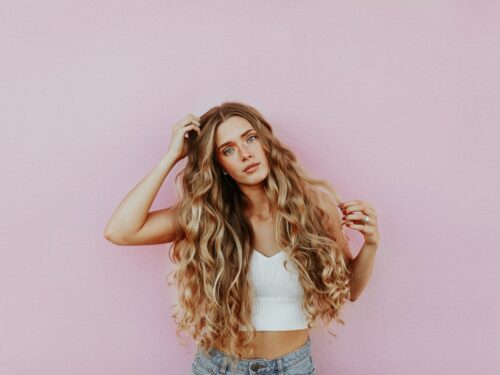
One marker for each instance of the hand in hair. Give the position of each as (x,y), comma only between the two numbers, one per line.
(180,131)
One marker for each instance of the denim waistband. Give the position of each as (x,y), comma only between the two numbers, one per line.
(266,365)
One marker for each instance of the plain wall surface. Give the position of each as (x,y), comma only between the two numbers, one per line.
(394,103)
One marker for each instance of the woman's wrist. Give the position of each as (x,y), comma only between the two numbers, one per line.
(168,160)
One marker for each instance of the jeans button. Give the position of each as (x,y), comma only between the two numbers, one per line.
(255,366)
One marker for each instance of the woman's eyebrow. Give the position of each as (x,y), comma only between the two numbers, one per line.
(241,136)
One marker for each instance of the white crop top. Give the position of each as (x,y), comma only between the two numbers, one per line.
(278,294)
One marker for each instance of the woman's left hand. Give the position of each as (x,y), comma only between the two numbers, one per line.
(361,216)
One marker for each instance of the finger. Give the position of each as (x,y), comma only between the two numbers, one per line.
(369,224)
(189,118)
(190,127)
(190,121)
(355,216)
(193,116)
(359,218)
(351,202)
(359,227)
(353,208)
(358,214)
(194,119)
(357,202)
(195,127)
(359,208)
(357,222)
(185,122)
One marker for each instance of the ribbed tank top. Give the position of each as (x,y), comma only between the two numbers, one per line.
(278,294)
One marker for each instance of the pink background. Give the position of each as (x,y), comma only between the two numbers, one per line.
(395,103)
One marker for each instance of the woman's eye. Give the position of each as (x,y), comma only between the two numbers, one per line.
(230,148)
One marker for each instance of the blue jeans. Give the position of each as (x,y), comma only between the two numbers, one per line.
(298,362)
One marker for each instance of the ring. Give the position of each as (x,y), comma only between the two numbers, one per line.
(366,219)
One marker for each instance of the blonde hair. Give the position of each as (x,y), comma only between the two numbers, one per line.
(213,247)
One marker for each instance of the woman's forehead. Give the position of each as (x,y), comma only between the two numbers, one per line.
(231,130)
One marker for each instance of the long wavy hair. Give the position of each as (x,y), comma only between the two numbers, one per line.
(213,246)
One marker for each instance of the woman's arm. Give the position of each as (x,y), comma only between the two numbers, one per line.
(362,216)
(131,214)
(362,265)
(131,222)
(361,269)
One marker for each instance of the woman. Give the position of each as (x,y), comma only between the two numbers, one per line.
(259,249)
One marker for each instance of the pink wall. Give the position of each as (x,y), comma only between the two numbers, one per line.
(395,103)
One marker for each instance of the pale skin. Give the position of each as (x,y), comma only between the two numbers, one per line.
(234,157)
(133,224)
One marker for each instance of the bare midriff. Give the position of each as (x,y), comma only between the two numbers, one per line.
(273,344)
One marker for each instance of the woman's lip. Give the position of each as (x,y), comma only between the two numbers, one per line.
(252,168)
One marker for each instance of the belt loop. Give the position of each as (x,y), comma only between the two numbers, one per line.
(281,366)
(224,366)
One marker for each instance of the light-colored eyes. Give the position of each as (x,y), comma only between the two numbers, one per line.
(229,148)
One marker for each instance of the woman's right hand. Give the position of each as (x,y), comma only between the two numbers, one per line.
(178,143)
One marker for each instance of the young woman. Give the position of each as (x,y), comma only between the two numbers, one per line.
(259,248)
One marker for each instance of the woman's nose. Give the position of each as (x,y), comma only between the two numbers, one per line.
(245,152)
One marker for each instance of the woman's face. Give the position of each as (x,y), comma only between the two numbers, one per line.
(238,146)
